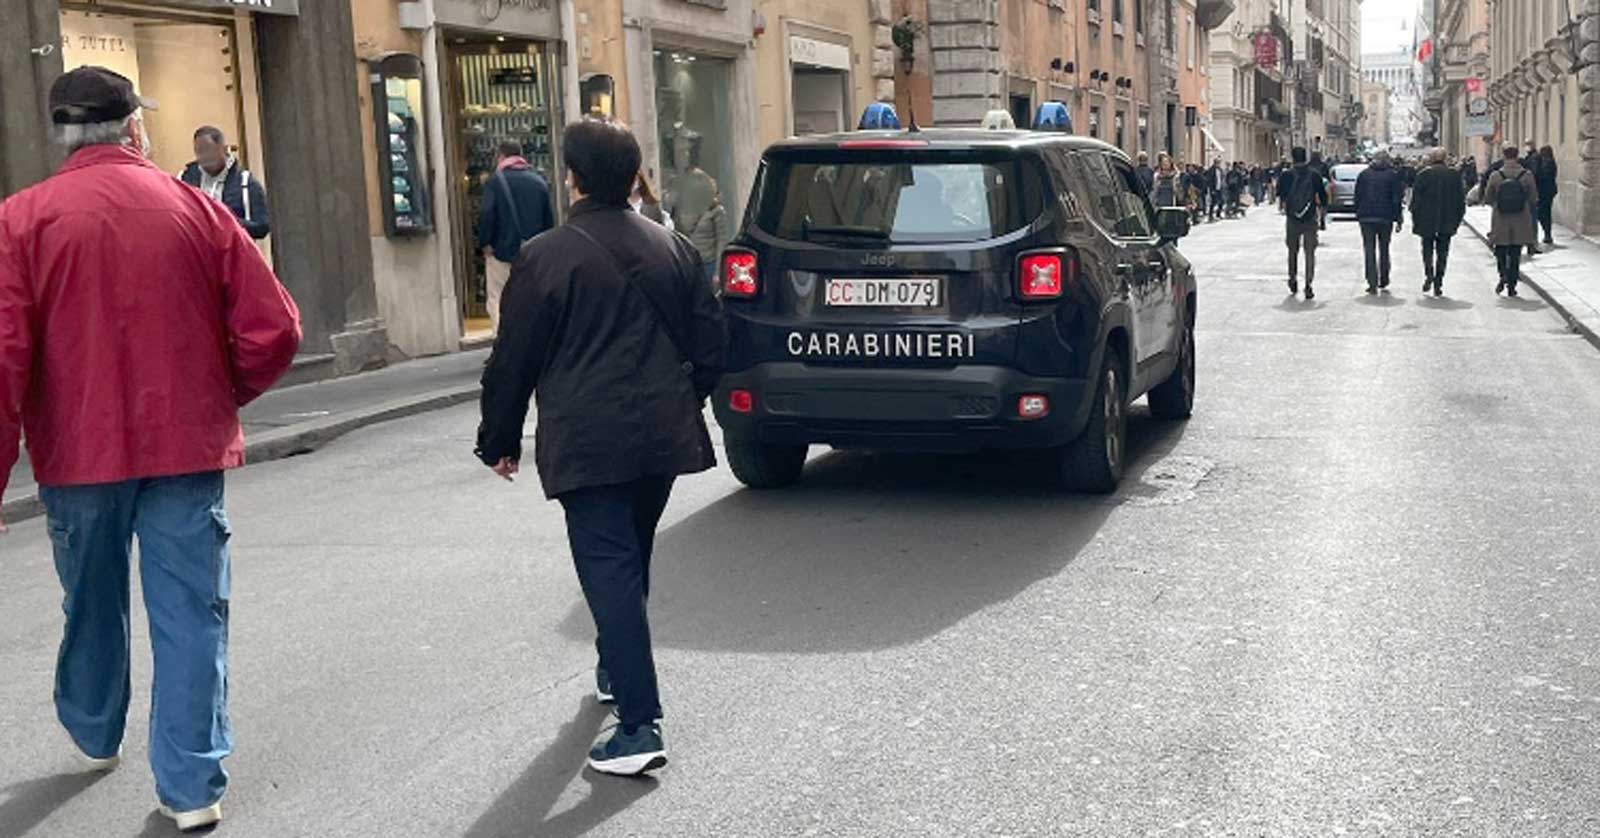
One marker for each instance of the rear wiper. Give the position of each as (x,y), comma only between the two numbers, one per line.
(846,231)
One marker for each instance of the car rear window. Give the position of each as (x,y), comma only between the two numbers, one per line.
(1347,173)
(899,197)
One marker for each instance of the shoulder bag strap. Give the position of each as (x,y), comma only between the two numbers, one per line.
(661,316)
(511,203)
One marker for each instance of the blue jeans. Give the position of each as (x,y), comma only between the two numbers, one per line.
(183,563)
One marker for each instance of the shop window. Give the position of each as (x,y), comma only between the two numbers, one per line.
(1121,128)
(401,144)
(695,136)
(187,64)
(596,95)
(1094,121)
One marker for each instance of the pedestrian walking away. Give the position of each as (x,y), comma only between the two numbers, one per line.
(136,317)
(610,303)
(516,207)
(1513,194)
(1438,205)
(216,172)
(1380,202)
(1302,194)
(1548,176)
(1147,175)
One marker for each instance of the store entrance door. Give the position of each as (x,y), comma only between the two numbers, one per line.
(500,90)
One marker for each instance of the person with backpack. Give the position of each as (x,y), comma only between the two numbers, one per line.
(516,207)
(217,172)
(1380,201)
(1438,205)
(1513,193)
(1302,194)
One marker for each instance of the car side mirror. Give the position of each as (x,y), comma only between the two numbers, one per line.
(1172,223)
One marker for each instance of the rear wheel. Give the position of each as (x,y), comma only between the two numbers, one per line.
(762,466)
(1093,462)
(1174,398)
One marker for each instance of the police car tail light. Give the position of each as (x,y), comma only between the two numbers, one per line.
(1033,406)
(742,401)
(1044,276)
(739,278)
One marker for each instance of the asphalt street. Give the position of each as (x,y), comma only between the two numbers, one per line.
(1356,595)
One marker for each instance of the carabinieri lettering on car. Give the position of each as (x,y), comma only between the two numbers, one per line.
(886,345)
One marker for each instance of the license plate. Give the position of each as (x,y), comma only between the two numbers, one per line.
(925,292)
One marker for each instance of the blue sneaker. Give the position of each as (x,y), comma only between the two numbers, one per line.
(602,687)
(629,755)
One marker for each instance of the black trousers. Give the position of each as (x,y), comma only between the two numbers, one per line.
(1375,237)
(1509,260)
(1435,256)
(612,530)
(1547,205)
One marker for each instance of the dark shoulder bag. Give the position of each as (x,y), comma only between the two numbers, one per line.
(661,316)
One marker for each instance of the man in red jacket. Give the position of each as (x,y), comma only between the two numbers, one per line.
(136,317)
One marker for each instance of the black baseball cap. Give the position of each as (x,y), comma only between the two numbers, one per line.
(93,94)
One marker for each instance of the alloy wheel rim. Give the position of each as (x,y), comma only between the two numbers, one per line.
(1113,408)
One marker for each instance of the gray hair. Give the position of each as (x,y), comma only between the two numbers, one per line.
(1382,157)
(1437,155)
(115,132)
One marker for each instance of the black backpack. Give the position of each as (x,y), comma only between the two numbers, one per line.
(1303,193)
(1512,197)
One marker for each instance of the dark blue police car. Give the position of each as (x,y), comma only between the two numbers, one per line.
(951,290)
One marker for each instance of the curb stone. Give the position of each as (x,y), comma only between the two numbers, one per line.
(300,438)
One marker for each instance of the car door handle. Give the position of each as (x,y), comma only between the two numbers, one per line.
(1124,269)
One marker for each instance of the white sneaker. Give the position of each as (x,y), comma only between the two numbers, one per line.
(101,764)
(196,819)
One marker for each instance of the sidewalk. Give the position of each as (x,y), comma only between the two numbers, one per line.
(295,420)
(1567,277)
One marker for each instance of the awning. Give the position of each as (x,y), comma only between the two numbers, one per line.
(1211,141)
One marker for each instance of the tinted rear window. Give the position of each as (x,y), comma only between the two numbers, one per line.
(845,197)
(1347,172)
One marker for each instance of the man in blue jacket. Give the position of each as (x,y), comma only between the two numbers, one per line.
(1380,200)
(216,172)
(516,207)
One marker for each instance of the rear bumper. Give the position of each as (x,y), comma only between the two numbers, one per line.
(967,408)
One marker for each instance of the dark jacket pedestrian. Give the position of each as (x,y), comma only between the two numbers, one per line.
(1512,193)
(136,318)
(217,173)
(610,325)
(1438,205)
(516,207)
(1302,195)
(1380,202)
(1548,175)
(1147,175)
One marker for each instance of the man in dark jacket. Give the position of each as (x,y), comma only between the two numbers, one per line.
(1438,204)
(216,172)
(1147,175)
(609,321)
(1380,202)
(1302,195)
(516,207)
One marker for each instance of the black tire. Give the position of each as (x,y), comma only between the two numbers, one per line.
(765,466)
(1173,399)
(1093,462)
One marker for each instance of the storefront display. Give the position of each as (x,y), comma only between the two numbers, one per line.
(402,157)
(694,132)
(503,91)
(186,62)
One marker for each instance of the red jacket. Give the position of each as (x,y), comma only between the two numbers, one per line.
(136,317)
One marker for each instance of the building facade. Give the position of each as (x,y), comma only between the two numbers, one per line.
(1544,87)
(1397,70)
(1375,113)
(1457,86)
(276,77)
(1251,96)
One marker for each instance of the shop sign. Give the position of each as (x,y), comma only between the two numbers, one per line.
(1266,50)
(532,18)
(271,7)
(1478,126)
(818,53)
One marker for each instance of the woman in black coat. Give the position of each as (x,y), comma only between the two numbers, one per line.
(1549,182)
(1438,204)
